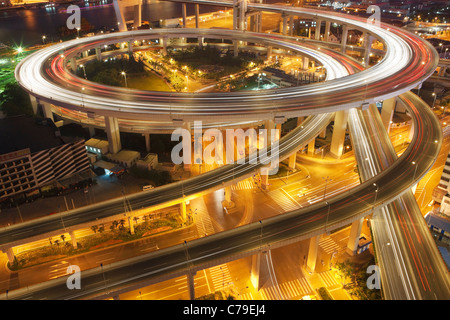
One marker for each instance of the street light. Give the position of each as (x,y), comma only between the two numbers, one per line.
(82,98)
(260,235)
(43,39)
(84,70)
(376,194)
(415,170)
(434,100)
(326,181)
(125,76)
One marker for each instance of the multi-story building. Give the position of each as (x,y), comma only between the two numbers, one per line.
(33,154)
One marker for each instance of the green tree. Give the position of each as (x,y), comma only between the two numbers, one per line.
(346,269)
(108,77)
(114,224)
(15,101)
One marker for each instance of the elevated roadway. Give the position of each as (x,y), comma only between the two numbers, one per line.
(410,265)
(293,226)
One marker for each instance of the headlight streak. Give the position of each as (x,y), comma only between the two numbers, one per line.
(361,72)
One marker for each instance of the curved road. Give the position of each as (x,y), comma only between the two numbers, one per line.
(303,223)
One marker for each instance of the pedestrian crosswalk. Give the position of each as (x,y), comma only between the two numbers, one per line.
(58,270)
(246,184)
(284,200)
(221,277)
(246,296)
(203,221)
(294,289)
(328,245)
(329,279)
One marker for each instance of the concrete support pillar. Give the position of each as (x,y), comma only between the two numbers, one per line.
(197,15)
(183,13)
(10,254)
(353,240)
(305,63)
(98,54)
(259,272)
(387,112)
(235,48)
(47,110)
(269,125)
(323,134)
(91,131)
(243,15)
(284,26)
(291,25)
(121,22)
(131,224)
(73,64)
(130,47)
(338,138)
(255,270)
(344,38)
(368,48)
(73,239)
(400,106)
(235,15)
(327,31)
(147,141)
(311,146)
(164,45)
(292,161)
(318,26)
(312,254)
(137,18)
(252,26)
(183,210)
(259,22)
(200,42)
(191,285)
(34,103)
(264,173)
(300,120)
(269,52)
(113,134)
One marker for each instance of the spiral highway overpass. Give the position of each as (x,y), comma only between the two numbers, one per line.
(408,62)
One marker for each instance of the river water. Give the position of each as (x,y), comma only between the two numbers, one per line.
(26,27)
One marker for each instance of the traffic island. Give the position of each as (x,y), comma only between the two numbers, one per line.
(60,248)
